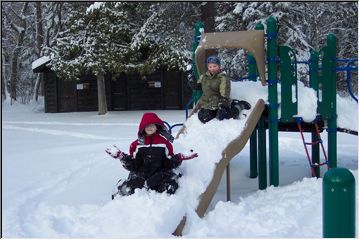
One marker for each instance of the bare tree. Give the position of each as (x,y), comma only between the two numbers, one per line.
(20,29)
(55,23)
(208,17)
(39,43)
(3,78)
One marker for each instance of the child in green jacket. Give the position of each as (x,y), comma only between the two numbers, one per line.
(215,101)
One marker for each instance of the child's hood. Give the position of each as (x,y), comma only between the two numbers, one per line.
(149,118)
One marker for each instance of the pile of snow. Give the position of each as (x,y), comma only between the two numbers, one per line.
(347,108)
(347,113)
(295,212)
(307,100)
(161,213)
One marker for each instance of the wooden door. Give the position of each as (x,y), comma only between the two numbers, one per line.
(119,97)
(67,96)
(172,90)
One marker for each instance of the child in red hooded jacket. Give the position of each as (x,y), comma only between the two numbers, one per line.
(151,159)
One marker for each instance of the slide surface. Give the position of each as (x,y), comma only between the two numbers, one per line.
(230,151)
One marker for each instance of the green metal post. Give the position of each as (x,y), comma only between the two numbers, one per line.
(314,79)
(288,80)
(253,138)
(253,73)
(272,54)
(315,153)
(252,67)
(199,27)
(253,155)
(339,204)
(259,26)
(262,154)
(332,125)
(314,72)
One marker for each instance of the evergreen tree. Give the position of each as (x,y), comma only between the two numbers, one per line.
(302,26)
(97,41)
(166,36)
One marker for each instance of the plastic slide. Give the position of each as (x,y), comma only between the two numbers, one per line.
(230,151)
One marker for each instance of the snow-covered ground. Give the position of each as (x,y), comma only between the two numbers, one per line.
(57,178)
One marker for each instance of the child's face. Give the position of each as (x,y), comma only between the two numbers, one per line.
(213,68)
(150,129)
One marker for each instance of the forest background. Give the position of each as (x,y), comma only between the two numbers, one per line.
(116,37)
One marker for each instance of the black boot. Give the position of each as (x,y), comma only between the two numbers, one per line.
(206,115)
(223,113)
(237,106)
(240,104)
(245,105)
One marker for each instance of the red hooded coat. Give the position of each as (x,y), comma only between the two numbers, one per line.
(154,153)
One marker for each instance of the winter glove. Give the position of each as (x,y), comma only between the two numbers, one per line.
(177,159)
(190,77)
(115,152)
(192,82)
(224,102)
(181,156)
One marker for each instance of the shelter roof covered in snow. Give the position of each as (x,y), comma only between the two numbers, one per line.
(39,64)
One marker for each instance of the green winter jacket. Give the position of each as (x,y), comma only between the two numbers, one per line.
(213,87)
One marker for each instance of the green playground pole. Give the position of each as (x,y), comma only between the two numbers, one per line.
(252,67)
(272,54)
(332,125)
(253,73)
(262,154)
(339,204)
(259,26)
(198,26)
(253,154)
(253,138)
(314,84)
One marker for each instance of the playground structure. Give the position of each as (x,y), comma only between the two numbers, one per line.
(281,61)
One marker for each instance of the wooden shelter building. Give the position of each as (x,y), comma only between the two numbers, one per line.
(159,90)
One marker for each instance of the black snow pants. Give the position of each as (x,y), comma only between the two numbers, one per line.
(161,181)
(233,111)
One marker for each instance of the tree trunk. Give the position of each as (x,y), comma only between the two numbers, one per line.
(3,93)
(16,53)
(13,73)
(39,45)
(208,18)
(38,83)
(39,29)
(102,107)
(3,77)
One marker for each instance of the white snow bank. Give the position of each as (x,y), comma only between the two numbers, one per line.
(347,112)
(293,211)
(347,108)
(253,217)
(158,214)
(252,91)
(143,214)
